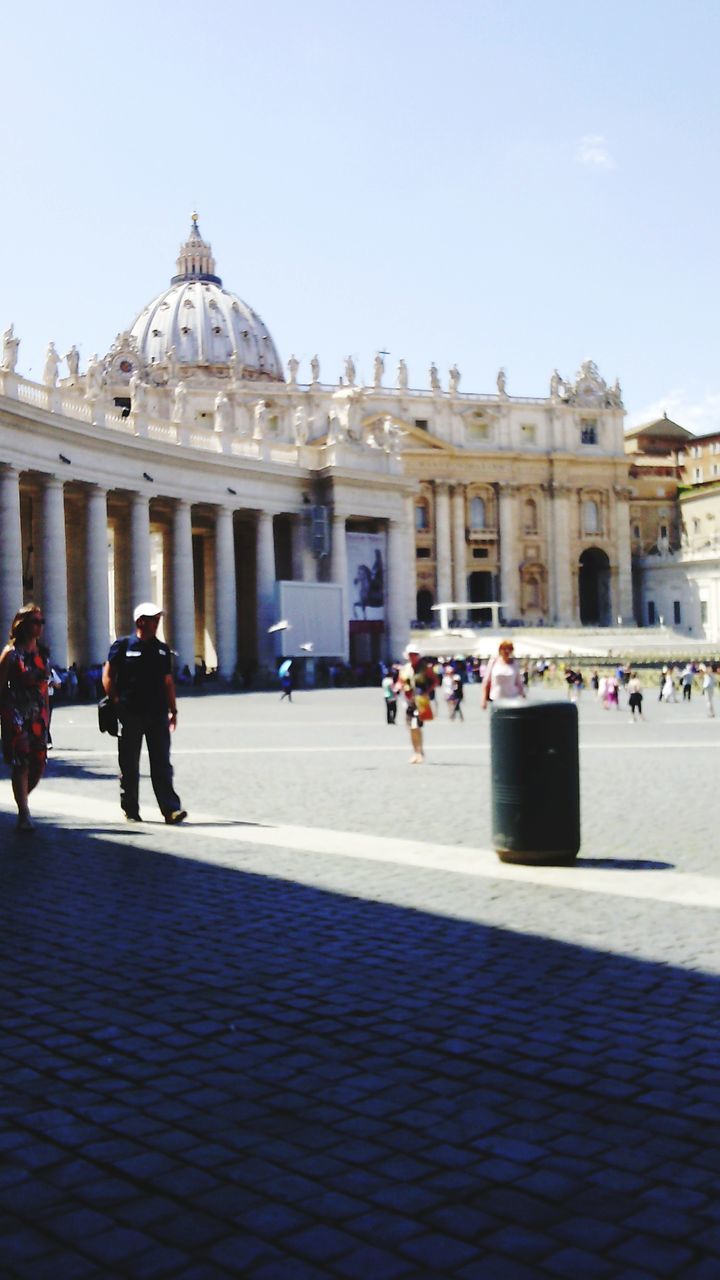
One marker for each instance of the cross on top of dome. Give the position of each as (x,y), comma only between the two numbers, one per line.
(196,261)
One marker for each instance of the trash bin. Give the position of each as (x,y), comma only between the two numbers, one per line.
(535,774)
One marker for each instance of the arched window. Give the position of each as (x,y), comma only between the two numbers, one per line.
(422,518)
(530,516)
(591,516)
(477,513)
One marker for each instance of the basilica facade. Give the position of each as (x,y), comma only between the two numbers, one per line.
(190,465)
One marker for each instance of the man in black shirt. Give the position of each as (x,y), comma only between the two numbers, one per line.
(137,677)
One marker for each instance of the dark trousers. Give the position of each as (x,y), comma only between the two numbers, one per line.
(156,732)
(687,692)
(390,710)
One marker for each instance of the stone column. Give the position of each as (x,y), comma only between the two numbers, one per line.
(182,610)
(96,551)
(139,550)
(509,567)
(11,584)
(561,555)
(265,579)
(397,620)
(459,544)
(442,544)
(225,594)
(623,604)
(54,575)
(411,553)
(339,571)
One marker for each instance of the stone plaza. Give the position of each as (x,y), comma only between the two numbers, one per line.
(321,1031)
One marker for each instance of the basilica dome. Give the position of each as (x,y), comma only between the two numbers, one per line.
(196,324)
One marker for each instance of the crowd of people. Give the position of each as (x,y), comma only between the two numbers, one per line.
(421,684)
(143,698)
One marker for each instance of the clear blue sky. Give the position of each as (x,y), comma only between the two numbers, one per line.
(487,182)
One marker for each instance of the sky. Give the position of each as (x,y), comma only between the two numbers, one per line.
(492,183)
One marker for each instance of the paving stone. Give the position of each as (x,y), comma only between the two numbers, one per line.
(438,1251)
(368,1260)
(320,1243)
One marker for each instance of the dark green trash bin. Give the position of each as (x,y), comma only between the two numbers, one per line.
(535,774)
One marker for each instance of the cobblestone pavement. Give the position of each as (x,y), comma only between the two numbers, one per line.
(322,1032)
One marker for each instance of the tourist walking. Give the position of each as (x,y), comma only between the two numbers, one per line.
(25,707)
(667,693)
(137,678)
(286,680)
(417,683)
(503,678)
(709,685)
(686,680)
(389,688)
(456,697)
(612,693)
(635,700)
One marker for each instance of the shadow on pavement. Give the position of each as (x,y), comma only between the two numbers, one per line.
(213,1073)
(624,864)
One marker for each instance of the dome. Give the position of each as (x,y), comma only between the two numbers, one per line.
(198,324)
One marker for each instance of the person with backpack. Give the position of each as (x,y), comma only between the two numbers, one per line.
(137,678)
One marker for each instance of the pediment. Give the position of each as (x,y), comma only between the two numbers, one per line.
(414,438)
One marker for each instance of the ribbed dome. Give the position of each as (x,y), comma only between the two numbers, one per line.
(204,323)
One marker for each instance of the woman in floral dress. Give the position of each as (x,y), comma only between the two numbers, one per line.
(24,707)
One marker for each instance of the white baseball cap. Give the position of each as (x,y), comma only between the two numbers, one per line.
(148,609)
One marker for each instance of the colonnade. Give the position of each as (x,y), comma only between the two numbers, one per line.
(83,552)
(84,512)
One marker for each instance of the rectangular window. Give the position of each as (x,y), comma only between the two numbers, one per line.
(588,433)
(677,615)
(636,531)
(421,424)
(697,475)
(480,553)
(703,612)
(651,613)
(422,553)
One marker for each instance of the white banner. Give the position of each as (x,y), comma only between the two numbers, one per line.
(366,560)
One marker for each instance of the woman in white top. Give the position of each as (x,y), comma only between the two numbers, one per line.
(503,678)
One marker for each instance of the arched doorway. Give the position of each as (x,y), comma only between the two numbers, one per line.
(424,605)
(594,588)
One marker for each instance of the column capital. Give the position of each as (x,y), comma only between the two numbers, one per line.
(508,488)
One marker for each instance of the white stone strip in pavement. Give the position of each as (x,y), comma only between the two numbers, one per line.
(300,748)
(679,888)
